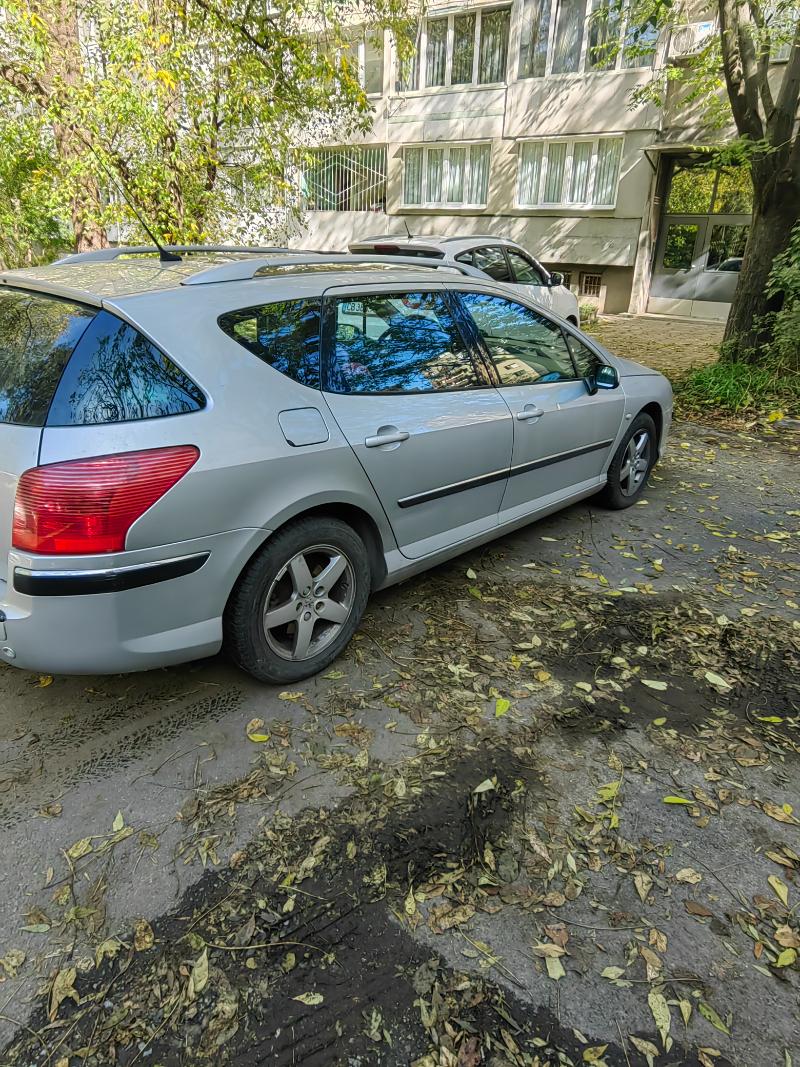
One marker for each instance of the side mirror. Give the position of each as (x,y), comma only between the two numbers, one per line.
(602,377)
(606,377)
(556,278)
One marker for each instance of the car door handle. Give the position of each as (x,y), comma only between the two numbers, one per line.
(395,438)
(530,411)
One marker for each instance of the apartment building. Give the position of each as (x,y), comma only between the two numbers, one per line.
(516,119)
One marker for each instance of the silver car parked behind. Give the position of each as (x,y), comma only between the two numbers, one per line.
(233,449)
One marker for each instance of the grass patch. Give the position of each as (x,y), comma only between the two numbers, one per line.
(738,389)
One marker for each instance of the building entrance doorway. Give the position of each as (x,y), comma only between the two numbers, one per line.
(701,242)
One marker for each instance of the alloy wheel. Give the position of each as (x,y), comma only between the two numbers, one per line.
(635,463)
(309,602)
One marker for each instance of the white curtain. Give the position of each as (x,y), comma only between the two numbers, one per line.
(478,186)
(554,182)
(455,175)
(530,172)
(607,172)
(435,171)
(579,179)
(436,52)
(412,176)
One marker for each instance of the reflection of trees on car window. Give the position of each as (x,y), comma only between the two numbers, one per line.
(116,375)
(408,343)
(525,347)
(37,336)
(284,334)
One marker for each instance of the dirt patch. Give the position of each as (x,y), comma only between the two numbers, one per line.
(308,951)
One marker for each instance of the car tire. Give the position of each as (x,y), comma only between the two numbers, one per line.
(312,580)
(633,461)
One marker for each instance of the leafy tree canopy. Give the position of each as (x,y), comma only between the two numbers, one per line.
(173,101)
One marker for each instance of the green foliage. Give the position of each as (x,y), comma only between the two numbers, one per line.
(172,102)
(784,324)
(738,389)
(32,224)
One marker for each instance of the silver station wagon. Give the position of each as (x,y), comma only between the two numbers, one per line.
(233,448)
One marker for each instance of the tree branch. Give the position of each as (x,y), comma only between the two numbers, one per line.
(762,70)
(23,83)
(788,96)
(740,67)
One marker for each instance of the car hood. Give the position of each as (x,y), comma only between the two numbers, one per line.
(628,369)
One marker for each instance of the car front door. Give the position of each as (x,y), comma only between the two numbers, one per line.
(417,404)
(563,435)
(529,277)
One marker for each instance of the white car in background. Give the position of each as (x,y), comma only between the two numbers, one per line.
(501,260)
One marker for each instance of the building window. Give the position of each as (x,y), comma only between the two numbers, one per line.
(344,179)
(570,36)
(464,49)
(535,31)
(366,56)
(780,22)
(603,35)
(574,172)
(590,284)
(566,278)
(446,175)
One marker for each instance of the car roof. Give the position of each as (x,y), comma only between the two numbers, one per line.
(95,279)
(452,245)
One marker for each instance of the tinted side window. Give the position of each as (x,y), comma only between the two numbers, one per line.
(525,346)
(117,375)
(524,271)
(37,336)
(284,334)
(493,261)
(585,360)
(398,343)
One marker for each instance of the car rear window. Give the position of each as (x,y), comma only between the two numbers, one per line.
(284,334)
(38,334)
(117,375)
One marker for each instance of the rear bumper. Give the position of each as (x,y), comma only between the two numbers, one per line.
(140,610)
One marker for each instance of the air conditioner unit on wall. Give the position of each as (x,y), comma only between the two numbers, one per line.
(690,39)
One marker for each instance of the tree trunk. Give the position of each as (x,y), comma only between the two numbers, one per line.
(87,232)
(776,210)
(71,147)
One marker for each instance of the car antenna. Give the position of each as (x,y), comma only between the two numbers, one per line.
(410,234)
(164,255)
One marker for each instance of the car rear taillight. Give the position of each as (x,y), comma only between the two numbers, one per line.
(88,505)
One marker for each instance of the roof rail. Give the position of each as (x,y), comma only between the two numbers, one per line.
(243,270)
(105,255)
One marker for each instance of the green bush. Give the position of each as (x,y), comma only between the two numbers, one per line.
(739,389)
(784,280)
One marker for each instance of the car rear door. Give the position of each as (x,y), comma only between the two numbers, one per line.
(563,435)
(417,405)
